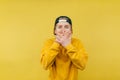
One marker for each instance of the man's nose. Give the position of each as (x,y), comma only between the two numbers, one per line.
(63,29)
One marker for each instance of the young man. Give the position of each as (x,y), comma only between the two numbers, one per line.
(63,55)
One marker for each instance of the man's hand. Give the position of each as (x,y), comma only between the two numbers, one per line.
(64,39)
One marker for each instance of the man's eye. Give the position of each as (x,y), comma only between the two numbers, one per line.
(59,27)
(67,27)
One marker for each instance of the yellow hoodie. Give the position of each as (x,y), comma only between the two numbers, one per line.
(63,62)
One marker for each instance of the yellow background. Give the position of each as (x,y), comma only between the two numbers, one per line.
(26,24)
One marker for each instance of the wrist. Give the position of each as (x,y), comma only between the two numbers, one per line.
(65,44)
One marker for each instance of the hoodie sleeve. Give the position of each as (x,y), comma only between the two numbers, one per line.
(48,53)
(77,54)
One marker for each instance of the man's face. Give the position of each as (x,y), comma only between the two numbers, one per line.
(62,28)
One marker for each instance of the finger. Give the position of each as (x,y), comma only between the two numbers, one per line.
(67,34)
(60,35)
